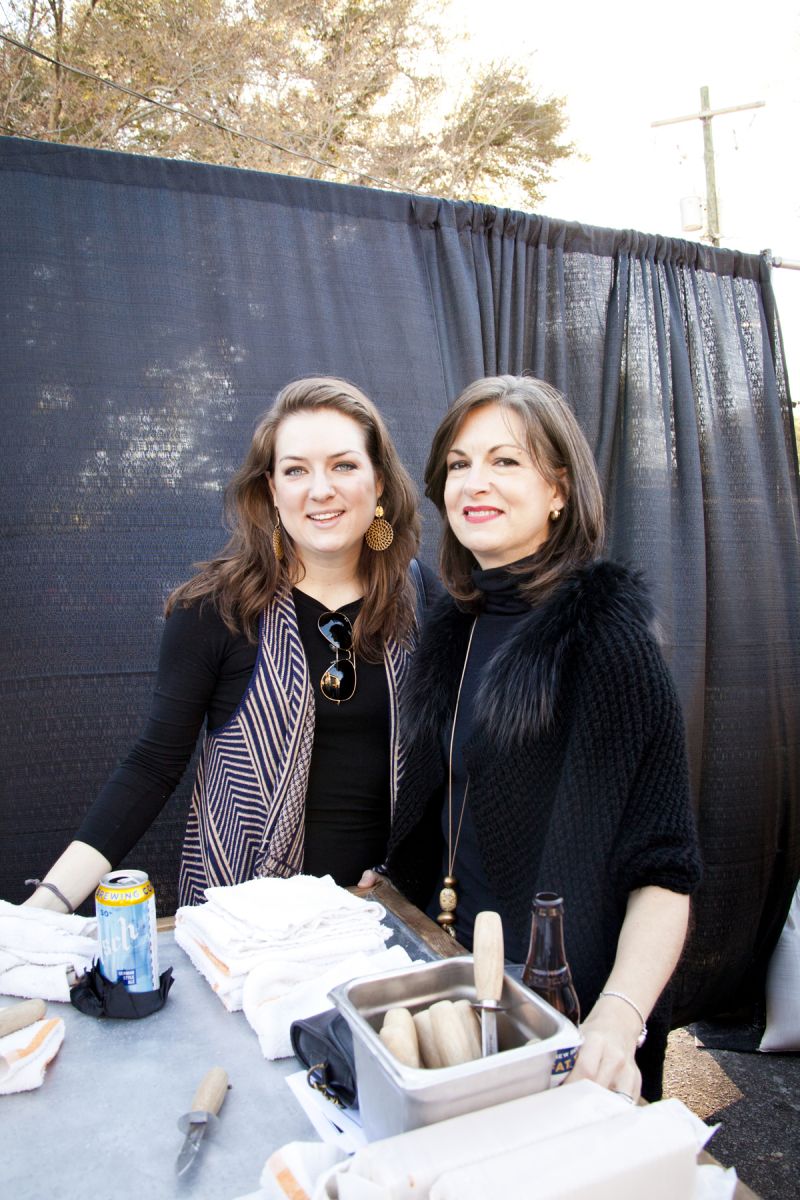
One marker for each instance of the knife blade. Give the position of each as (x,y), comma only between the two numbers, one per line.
(487,952)
(206,1104)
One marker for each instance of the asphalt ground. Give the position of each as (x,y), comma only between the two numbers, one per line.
(755,1099)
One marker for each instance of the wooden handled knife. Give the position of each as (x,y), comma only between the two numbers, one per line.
(487,952)
(206,1104)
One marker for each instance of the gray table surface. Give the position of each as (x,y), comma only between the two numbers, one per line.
(104,1122)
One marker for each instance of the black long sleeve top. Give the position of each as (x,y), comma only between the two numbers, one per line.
(203,673)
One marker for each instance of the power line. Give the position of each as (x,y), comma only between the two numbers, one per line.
(187,112)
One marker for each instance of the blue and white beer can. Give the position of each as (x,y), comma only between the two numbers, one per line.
(126,929)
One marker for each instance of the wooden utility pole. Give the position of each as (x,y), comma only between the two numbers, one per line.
(706,114)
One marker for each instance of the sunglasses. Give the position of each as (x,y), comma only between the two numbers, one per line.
(339,681)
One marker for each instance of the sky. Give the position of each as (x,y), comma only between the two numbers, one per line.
(624,64)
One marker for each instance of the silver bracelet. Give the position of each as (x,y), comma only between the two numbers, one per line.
(51,887)
(621,996)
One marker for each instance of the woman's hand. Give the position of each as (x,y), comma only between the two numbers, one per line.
(609,1046)
(368,879)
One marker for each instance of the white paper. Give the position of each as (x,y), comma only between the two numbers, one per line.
(580,1142)
(406,1166)
(645,1152)
(715,1183)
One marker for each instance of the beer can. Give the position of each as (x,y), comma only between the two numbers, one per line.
(126,929)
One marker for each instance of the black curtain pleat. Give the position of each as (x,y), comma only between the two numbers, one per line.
(151,309)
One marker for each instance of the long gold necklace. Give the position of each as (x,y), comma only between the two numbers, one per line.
(448,897)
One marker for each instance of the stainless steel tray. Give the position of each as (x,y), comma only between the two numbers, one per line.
(534,1041)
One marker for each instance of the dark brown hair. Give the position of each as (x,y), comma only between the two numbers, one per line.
(560,453)
(245,576)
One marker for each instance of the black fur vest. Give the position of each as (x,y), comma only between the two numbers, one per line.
(518,697)
(576,760)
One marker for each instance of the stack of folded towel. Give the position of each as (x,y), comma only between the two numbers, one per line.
(290,939)
(41,951)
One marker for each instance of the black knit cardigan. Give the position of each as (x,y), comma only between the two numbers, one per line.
(578,779)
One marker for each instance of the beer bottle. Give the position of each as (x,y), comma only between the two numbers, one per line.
(546,970)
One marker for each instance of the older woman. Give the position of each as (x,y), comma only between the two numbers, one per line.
(291,645)
(548,747)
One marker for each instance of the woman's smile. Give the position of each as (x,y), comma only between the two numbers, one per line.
(325,518)
(477,516)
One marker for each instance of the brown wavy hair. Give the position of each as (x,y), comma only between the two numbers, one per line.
(242,580)
(560,453)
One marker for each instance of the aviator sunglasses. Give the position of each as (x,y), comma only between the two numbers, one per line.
(339,681)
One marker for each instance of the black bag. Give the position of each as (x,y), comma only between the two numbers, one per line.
(324,1045)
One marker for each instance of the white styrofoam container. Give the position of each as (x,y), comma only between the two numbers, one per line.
(394,1098)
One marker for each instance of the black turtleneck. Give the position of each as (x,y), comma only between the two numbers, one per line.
(503,609)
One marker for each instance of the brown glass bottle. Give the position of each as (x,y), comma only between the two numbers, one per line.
(546,969)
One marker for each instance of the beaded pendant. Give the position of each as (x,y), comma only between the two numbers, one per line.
(448,901)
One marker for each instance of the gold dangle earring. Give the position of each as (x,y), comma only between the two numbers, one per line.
(277,538)
(379,535)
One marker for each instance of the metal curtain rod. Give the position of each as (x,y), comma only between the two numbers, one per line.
(775,260)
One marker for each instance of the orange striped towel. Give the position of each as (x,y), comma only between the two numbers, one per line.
(291,1172)
(24,1055)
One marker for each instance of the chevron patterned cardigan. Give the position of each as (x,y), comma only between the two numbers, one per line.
(247,811)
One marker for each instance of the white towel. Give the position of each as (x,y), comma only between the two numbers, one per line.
(226,985)
(40,949)
(24,1055)
(283,910)
(240,949)
(272,999)
(290,1172)
(296,928)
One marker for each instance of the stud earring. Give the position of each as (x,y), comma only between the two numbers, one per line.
(555,513)
(379,535)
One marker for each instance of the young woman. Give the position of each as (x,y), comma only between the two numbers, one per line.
(292,645)
(547,739)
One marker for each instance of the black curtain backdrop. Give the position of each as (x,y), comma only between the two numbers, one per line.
(150,311)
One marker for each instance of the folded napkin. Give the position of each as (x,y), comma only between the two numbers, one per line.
(271,1001)
(228,986)
(39,950)
(25,1054)
(283,910)
(296,927)
(239,951)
